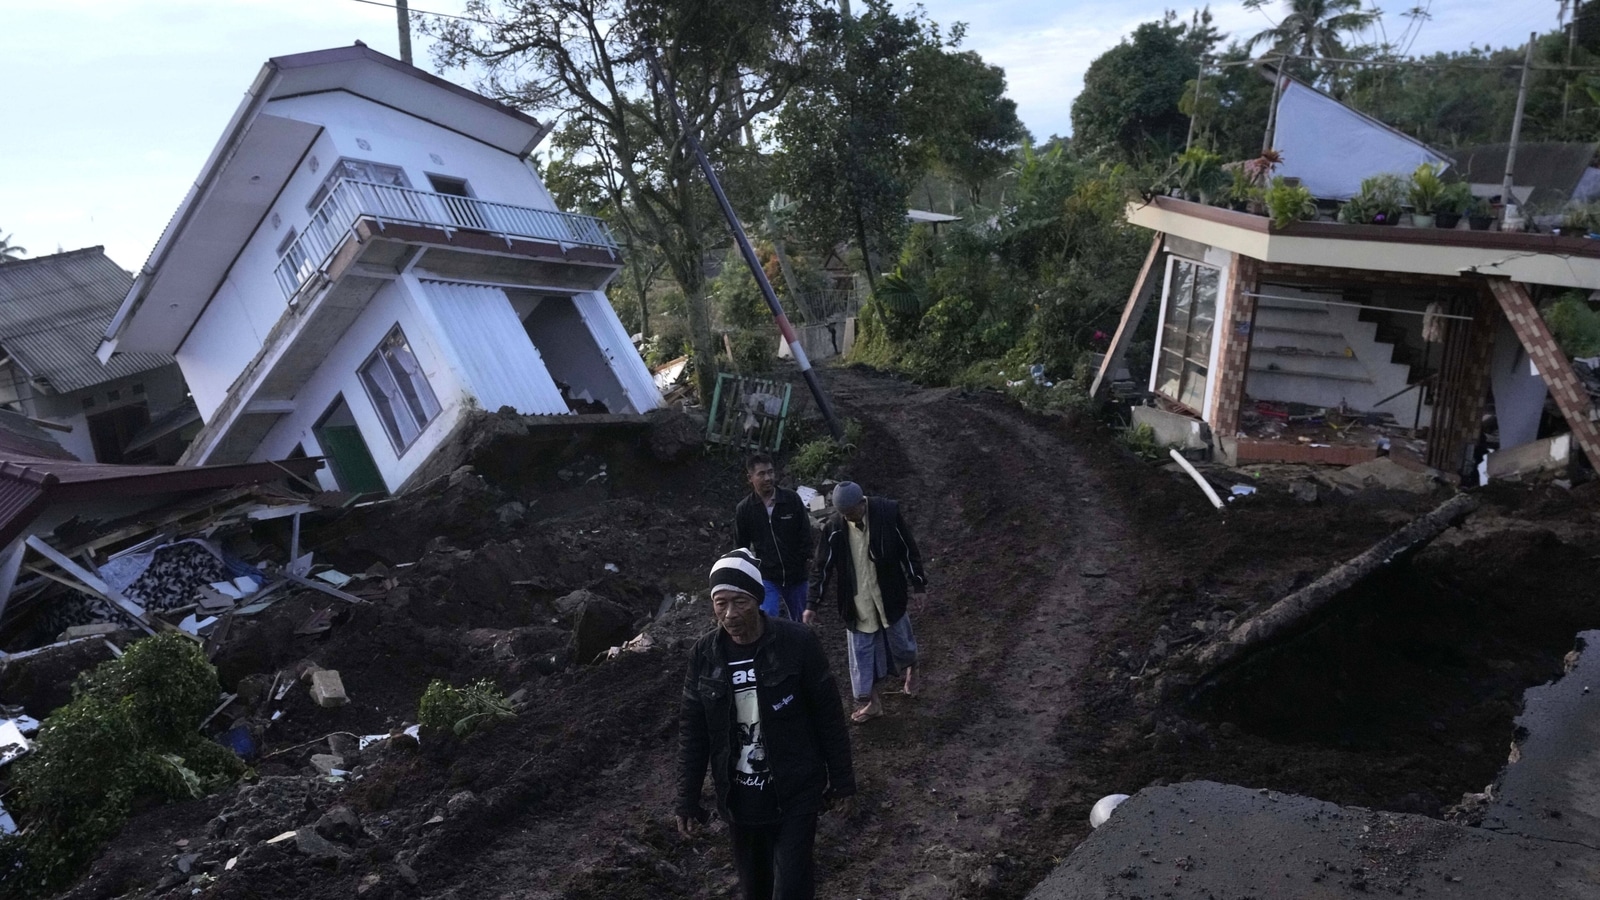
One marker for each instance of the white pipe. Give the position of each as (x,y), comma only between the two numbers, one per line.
(1198,478)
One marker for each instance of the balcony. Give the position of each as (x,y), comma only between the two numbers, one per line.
(446,218)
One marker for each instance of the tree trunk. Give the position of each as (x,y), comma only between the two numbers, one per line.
(866,265)
(642,285)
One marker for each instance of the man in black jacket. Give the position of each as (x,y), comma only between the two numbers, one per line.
(869,554)
(760,706)
(775,526)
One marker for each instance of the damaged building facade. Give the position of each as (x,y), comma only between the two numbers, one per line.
(1420,330)
(367,257)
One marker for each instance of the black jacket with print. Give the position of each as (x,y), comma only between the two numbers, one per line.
(802,720)
(894,555)
(782,541)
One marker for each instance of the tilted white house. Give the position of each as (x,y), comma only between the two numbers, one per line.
(367,256)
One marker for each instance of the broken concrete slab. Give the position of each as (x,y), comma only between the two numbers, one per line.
(1551,456)
(97,629)
(568,605)
(327,763)
(1551,788)
(1171,429)
(1203,839)
(1386,474)
(327,689)
(314,845)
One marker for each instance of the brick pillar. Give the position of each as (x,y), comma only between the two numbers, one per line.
(1553,365)
(1463,384)
(1237,319)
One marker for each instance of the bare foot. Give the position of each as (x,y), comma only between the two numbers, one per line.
(911,682)
(867,713)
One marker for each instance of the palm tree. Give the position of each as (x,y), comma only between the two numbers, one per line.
(1313,27)
(8,251)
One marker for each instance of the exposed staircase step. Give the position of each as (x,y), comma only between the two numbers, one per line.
(1305,352)
(1288,373)
(1283,329)
(1307,310)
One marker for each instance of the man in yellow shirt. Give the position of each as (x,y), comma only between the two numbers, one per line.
(870,556)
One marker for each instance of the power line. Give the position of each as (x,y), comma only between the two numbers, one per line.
(1401,63)
(424,12)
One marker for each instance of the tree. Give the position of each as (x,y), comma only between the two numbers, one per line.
(1129,105)
(1312,27)
(729,62)
(969,128)
(10,252)
(845,135)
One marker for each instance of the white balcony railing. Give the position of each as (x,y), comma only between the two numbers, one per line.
(351,200)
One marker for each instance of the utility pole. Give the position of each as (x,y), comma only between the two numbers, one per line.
(1272,111)
(403,18)
(1506,198)
(1199,85)
(749,253)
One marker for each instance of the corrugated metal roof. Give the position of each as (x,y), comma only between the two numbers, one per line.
(20,437)
(1552,168)
(53,311)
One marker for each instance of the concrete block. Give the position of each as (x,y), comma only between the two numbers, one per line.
(326,763)
(327,689)
(1551,455)
(1172,429)
(83,631)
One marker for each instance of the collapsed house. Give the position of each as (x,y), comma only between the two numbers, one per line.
(367,257)
(52,310)
(1419,330)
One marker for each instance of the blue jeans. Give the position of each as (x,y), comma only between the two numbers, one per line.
(786,601)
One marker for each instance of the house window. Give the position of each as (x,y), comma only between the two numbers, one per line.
(358,170)
(399,390)
(1188,314)
(138,389)
(113,396)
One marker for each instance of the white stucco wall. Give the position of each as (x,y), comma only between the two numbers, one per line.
(392,305)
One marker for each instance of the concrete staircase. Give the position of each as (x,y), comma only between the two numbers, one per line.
(1323,355)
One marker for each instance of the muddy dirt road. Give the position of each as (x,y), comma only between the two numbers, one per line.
(1061,570)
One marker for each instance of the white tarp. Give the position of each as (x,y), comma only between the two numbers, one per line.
(1331,147)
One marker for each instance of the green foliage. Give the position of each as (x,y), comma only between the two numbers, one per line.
(1427,190)
(1129,106)
(1141,439)
(1289,204)
(819,459)
(963,121)
(1574,325)
(130,736)
(463,710)
(1454,199)
(1378,202)
(1201,176)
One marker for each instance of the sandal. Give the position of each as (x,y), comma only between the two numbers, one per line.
(862,715)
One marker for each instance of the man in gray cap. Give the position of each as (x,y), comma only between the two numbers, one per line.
(870,556)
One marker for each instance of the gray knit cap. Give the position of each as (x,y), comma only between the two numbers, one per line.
(847,494)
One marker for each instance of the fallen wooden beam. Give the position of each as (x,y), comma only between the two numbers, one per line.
(1553,365)
(1132,312)
(92,581)
(1289,615)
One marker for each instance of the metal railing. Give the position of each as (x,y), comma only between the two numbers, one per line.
(351,200)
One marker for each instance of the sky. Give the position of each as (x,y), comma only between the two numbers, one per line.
(110,107)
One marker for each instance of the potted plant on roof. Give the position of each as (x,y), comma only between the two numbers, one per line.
(1200,175)
(1479,214)
(1241,189)
(1289,204)
(1377,203)
(1452,204)
(1425,191)
(1258,172)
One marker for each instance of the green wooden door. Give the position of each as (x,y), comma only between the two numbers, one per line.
(352,462)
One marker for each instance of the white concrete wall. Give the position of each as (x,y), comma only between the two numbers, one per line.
(164,389)
(338,374)
(249,303)
(1519,390)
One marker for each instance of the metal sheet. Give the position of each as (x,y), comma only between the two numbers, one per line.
(499,362)
(618,347)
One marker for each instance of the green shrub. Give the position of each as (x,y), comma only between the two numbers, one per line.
(130,736)
(1289,204)
(462,710)
(1141,439)
(819,459)
(1574,325)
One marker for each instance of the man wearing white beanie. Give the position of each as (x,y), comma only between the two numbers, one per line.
(761,709)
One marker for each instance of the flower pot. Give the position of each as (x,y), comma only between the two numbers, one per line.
(1422,220)
(1480,223)
(1384,219)
(1446,220)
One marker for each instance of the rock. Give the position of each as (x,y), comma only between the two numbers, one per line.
(368,883)
(326,763)
(986,880)
(511,514)
(345,745)
(674,434)
(314,845)
(600,625)
(568,606)
(1385,473)
(406,873)
(1304,491)
(185,863)
(462,803)
(327,689)
(339,824)
(252,689)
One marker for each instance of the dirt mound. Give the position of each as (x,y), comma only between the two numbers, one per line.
(1062,567)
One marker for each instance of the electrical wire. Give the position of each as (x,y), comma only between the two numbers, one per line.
(424,12)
